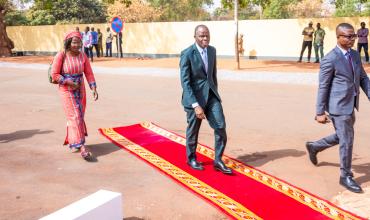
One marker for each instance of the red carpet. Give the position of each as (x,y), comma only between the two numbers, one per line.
(248,194)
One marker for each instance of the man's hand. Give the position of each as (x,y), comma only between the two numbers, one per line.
(199,112)
(322,119)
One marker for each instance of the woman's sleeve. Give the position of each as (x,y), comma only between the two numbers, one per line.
(56,68)
(88,72)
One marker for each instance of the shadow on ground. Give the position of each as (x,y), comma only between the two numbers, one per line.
(361,170)
(283,64)
(102,149)
(261,158)
(22,134)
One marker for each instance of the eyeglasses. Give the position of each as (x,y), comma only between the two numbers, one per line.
(349,37)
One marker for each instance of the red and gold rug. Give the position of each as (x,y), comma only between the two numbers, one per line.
(248,194)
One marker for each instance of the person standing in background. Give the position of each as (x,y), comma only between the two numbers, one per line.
(307,41)
(362,42)
(108,43)
(100,42)
(319,36)
(87,43)
(94,42)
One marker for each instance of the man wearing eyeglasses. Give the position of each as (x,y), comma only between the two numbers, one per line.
(341,75)
(362,40)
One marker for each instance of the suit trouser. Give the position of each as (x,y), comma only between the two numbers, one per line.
(216,120)
(344,134)
(304,45)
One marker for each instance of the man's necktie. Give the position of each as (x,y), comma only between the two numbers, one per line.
(349,58)
(205,59)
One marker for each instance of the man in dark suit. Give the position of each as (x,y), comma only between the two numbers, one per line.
(200,97)
(341,75)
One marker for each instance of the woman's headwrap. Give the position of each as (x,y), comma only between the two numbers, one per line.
(72,34)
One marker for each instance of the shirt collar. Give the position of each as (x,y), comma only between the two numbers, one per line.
(344,52)
(200,49)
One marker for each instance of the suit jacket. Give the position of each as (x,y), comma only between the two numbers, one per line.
(196,83)
(338,84)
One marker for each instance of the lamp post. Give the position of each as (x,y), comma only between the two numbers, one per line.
(236,33)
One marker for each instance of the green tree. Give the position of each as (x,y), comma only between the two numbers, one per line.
(16,17)
(40,17)
(348,8)
(136,11)
(5,43)
(279,9)
(67,11)
(182,10)
(366,12)
(247,8)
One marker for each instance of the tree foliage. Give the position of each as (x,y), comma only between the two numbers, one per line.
(307,9)
(348,8)
(182,10)
(15,17)
(135,11)
(278,9)
(44,12)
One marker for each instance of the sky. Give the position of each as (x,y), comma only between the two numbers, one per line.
(216,4)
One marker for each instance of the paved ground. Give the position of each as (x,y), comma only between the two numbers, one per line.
(268,124)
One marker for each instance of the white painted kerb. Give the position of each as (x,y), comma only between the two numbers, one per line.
(101,205)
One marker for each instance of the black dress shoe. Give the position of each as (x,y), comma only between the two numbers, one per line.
(311,153)
(350,184)
(220,166)
(195,165)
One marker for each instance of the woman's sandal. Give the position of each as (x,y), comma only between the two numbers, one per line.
(86,155)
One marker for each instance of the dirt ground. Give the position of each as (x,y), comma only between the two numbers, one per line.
(268,125)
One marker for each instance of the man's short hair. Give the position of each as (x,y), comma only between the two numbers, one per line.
(362,23)
(199,26)
(343,25)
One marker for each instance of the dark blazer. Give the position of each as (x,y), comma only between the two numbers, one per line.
(196,83)
(338,85)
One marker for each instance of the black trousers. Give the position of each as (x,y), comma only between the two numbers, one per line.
(365,46)
(96,49)
(88,52)
(304,45)
(216,119)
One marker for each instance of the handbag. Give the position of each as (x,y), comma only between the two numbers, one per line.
(49,71)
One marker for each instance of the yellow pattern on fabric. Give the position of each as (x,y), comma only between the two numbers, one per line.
(229,205)
(296,194)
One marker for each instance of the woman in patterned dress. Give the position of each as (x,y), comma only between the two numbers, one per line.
(72,90)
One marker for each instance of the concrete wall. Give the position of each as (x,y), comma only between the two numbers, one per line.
(277,39)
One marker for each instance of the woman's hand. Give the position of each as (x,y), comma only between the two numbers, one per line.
(95,94)
(73,85)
